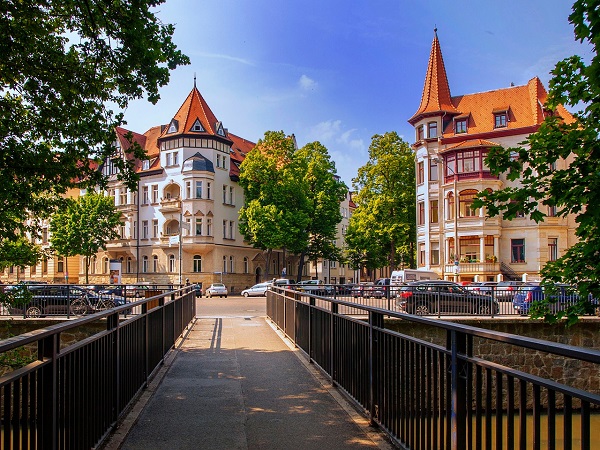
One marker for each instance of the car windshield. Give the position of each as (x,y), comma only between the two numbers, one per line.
(218,285)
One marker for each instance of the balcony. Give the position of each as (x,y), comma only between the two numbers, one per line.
(171,204)
(474,268)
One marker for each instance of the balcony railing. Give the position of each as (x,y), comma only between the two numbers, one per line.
(474,268)
(170,204)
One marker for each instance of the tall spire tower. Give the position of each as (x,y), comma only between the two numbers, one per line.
(436,96)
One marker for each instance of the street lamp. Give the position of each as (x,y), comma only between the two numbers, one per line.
(456,210)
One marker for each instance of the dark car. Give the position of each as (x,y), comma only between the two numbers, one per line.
(559,297)
(444,297)
(42,300)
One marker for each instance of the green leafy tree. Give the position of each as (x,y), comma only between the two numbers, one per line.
(572,190)
(274,215)
(324,192)
(385,199)
(20,253)
(64,63)
(84,226)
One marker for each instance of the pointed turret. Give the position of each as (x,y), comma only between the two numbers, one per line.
(194,118)
(436,96)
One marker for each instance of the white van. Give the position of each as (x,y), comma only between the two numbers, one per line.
(404,276)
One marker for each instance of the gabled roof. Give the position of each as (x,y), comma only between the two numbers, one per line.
(436,96)
(193,112)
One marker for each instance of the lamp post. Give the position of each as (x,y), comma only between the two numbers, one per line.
(456,210)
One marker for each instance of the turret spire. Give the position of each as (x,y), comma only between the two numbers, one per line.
(436,96)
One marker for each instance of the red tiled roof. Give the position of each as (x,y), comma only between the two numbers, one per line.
(524,105)
(193,108)
(436,91)
(473,143)
(240,149)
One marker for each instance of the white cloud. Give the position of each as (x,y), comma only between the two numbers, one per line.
(307,84)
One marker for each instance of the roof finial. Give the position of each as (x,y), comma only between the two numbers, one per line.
(194,80)
(435,30)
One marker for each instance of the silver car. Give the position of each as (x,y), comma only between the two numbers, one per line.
(257,290)
(217,289)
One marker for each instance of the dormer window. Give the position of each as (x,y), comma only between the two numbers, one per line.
(500,120)
(220,129)
(460,125)
(173,127)
(432,130)
(197,126)
(420,133)
(500,117)
(145,164)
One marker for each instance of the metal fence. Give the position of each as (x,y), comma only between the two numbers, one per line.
(72,396)
(442,298)
(35,300)
(431,396)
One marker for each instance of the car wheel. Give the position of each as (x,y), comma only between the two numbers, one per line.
(421,309)
(225,296)
(34,312)
(78,307)
(246,294)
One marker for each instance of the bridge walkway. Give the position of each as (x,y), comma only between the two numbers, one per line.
(233,383)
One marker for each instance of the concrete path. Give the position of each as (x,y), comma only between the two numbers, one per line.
(235,384)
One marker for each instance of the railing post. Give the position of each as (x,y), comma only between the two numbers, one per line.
(332,330)
(112,325)
(375,320)
(48,348)
(458,376)
(311,302)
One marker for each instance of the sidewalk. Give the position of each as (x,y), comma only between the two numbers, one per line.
(235,384)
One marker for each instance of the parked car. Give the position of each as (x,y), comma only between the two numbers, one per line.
(316,287)
(382,288)
(505,290)
(257,290)
(444,297)
(559,297)
(483,287)
(286,283)
(42,300)
(363,289)
(216,289)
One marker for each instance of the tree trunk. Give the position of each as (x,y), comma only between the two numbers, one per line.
(300,266)
(87,269)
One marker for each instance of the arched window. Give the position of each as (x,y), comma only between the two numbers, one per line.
(171,263)
(60,264)
(224,264)
(105,265)
(197,263)
(246,265)
(466,200)
(155,263)
(129,265)
(231,265)
(144,264)
(93,265)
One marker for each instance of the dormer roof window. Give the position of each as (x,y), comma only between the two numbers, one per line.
(500,117)
(173,126)
(220,129)
(460,124)
(197,126)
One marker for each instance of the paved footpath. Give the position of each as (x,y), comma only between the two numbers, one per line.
(233,383)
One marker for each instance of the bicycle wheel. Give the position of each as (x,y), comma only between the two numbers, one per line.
(79,307)
(104,305)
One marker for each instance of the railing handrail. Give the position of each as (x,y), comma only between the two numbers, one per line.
(589,355)
(36,335)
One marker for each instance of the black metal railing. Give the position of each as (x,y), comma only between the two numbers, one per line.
(35,300)
(445,298)
(72,395)
(428,395)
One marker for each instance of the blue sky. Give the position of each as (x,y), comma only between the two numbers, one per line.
(340,72)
